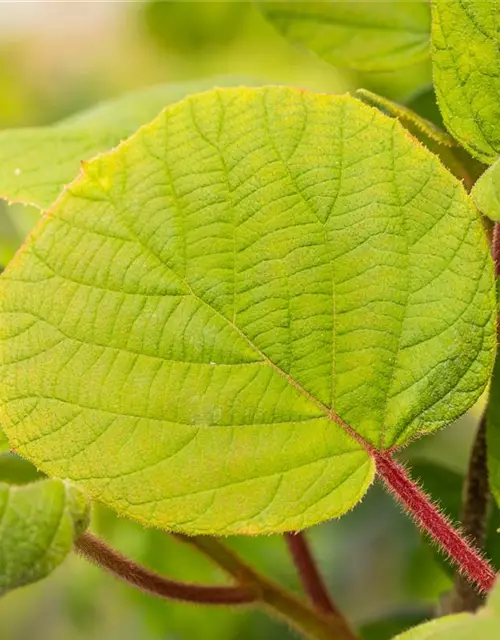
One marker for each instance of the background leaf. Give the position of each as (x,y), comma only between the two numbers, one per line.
(38,526)
(466,62)
(36,162)
(486,192)
(363,35)
(485,624)
(234,271)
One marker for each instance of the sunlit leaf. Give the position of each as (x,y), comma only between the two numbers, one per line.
(182,325)
(38,525)
(365,35)
(466,61)
(36,163)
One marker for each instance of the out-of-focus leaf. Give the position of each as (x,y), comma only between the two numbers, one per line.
(191,25)
(389,626)
(466,61)
(38,525)
(37,162)
(17,470)
(281,234)
(484,625)
(365,35)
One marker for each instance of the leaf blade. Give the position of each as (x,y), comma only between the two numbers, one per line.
(247,251)
(38,526)
(466,78)
(366,36)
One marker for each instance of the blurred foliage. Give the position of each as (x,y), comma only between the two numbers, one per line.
(383,576)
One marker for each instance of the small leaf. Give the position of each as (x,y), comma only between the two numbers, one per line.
(38,525)
(184,328)
(466,62)
(486,192)
(407,117)
(36,163)
(367,36)
(484,625)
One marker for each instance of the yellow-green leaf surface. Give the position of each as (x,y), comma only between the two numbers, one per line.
(365,35)
(484,625)
(466,62)
(38,525)
(184,326)
(486,192)
(36,163)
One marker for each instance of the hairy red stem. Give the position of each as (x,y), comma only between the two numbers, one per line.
(437,526)
(309,574)
(495,247)
(100,554)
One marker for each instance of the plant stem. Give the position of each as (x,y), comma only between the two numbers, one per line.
(100,554)
(437,526)
(280,602)
(474,517)
(309,574)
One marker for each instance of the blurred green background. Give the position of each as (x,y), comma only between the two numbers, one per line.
(59,57)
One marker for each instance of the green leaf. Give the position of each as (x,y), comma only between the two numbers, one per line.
(466,62)
(463,626)
(486,192)
(367,36)
(36,163)
(407,117)
(38,525)
(182,325)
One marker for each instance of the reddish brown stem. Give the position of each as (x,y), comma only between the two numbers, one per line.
(430,520)
(474,517)
(100,554)
(309,574)
(495,248)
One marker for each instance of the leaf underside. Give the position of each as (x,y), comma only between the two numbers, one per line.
(466,64)
(38,525)
(367,36)
(180,326)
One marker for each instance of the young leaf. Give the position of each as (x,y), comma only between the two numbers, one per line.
(486,192)
(364,35)
(466,62)
(185,326)
(38,525)
(36,163)
(463,626)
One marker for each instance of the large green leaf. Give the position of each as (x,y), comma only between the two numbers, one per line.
(36,163)
(184,322)
(466,61)
(366,35)
(38,524)
(484,625)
